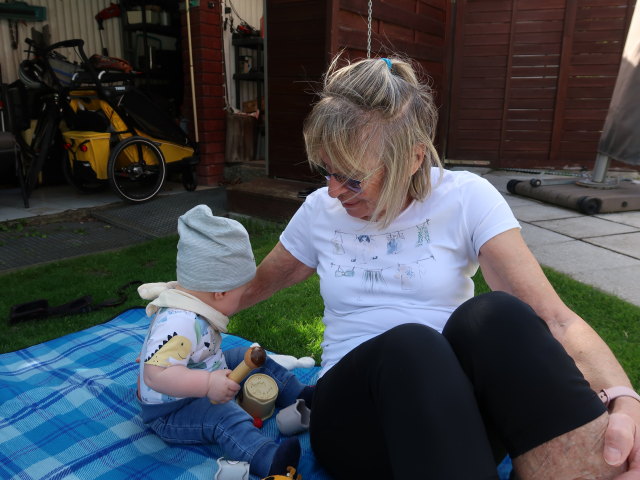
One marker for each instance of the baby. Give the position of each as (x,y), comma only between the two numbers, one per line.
(184,389)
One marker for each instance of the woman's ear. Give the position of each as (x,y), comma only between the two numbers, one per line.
(418,157)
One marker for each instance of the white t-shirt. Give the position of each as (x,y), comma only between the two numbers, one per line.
(178,337)
(417,270)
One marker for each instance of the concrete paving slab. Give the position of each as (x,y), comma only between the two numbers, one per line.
(517,201)
(576,257)
(534,235)
(626,243)
(626,218)
(532,212)
(621,282)
(584,227)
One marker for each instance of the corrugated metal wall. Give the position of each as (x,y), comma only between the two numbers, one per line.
(249,11)
(66,19)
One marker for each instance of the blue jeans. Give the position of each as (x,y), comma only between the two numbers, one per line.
(197,421)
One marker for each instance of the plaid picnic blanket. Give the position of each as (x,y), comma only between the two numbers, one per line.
(68,411)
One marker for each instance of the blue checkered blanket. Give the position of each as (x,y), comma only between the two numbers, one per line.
(68,411)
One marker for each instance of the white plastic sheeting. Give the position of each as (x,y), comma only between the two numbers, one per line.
(66,19)
(249,11)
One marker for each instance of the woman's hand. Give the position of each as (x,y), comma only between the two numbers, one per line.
(220,388)
(622,438)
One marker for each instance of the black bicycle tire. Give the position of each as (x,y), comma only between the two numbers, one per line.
(114,175)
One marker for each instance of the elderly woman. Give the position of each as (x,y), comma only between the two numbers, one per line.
(420,379)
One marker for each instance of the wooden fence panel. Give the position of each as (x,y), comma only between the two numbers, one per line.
(536,74)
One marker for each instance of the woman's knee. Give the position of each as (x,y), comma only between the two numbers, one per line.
(493,315)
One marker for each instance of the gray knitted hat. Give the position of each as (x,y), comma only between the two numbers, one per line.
(214,253)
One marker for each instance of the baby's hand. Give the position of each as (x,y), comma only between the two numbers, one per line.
(221,389)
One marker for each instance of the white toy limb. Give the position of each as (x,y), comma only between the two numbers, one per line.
(231,470)
(150,291)
(289,361)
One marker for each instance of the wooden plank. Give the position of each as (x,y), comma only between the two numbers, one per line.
(484,103)
(600,36)
(484,93)
(464,144)
(582,114)
(524,114)
(507,86)
(589,70)
(526,136)
(597,47)
(545,37)
(528,125)
(500,61)
(480,114)
(533,93)
(588,104)
(541,14)
(486,39)
(471,124)
(535,71)
(487,29)
(536,49)
(482,72)
(483,82)
(488,17)
(590,93)
(481,134)
(539,26)
(524,5)
(531,103)
(595,59)
(574,125)
(527,146)
(488,6)
(598,24)
(593,13)
(392,13)
(486,50)
(534,82)
(535,60)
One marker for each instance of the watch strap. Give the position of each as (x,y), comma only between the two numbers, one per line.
(607,395)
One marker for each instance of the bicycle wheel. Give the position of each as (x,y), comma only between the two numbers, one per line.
(136,169)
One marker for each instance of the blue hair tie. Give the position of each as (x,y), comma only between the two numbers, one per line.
(387,61)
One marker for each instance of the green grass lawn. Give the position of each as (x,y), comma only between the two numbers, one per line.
(290,322)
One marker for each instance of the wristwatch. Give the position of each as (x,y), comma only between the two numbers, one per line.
(607,395)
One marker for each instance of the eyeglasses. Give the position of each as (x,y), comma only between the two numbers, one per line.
(353,185)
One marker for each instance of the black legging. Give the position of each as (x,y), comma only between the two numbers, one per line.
(412,403)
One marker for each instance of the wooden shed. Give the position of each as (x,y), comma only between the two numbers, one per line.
(519,83)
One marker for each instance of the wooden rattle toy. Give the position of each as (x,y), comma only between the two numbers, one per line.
(254,358)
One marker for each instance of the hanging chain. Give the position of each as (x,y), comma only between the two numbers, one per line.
(369,31)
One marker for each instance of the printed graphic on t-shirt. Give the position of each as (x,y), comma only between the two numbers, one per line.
(175,347)
(370,257)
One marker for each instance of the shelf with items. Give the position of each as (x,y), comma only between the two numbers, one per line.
(151,43)
(249,65)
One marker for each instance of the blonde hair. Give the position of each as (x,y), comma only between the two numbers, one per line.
(372,108)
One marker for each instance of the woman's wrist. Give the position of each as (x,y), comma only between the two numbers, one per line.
(608,395)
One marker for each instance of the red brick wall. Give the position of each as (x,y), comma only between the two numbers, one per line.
(208,69)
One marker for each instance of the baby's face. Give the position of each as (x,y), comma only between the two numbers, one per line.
(230,301)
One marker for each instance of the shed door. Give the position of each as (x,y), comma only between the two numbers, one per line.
(297,51)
